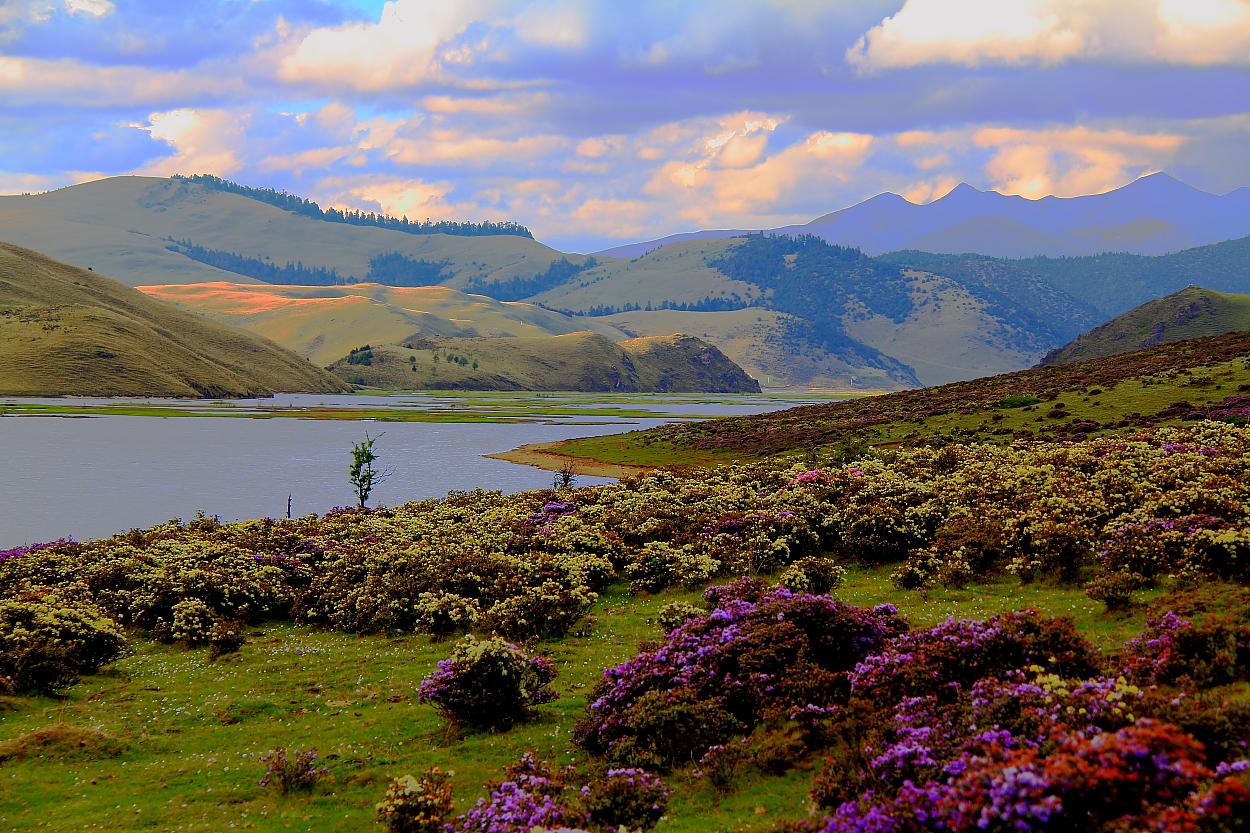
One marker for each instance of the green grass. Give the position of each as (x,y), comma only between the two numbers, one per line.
(190,730)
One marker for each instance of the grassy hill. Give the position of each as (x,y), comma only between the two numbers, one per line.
(323,323)
(123,227)
(1206,378)
(65,330)
(1191,313)
(575,361)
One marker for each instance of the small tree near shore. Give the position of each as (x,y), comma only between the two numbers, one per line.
(363,474)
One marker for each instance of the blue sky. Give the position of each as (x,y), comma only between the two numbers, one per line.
(601,122)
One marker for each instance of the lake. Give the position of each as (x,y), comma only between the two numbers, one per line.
(93,473)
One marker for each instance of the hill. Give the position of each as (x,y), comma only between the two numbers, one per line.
(68,331)
(324,322)
(575,362)
(1204,378)
(1152,215)
(1108,283)
(142,230)
(1191,313)
(849,319)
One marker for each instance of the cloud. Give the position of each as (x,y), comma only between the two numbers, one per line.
(90,8)
(204,141)
(24,183)
(33,81)
(1072,161)
(972,33)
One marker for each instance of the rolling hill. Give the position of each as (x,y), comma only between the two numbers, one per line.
(129,227)
(792,308)
(1152,215)
(574,361)
(323,323)
(68,331)
(1191,313)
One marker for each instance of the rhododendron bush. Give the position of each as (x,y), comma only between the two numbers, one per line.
(1166,502)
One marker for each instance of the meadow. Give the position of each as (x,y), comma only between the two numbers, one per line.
(767,638)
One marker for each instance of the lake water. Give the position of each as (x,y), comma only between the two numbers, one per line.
(94,476)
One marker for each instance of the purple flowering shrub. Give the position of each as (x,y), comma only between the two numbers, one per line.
(1173,650)
(292,770)
(534,796)
(722,674)
(488,684)
(630,799)
(958,652)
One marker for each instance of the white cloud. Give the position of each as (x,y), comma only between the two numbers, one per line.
(204,141)
(89,8)
(1047,32)
(74,83)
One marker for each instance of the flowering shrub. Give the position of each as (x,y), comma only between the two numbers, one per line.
(721,673)
(46,645)
(1115,588)
(660,565)
(675,614)
(488,684)
(192,623)
(629,799)
(548,610)
(531,797)
(962,651)
(813,575)
(1172,650)
(442,614)
(291,770)
(417,805)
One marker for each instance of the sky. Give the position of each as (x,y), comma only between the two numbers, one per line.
(603,121)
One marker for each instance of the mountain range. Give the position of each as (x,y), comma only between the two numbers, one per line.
(1152,215)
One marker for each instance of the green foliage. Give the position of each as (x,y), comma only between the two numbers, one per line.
(398,269)
(362,473)
(558,273)
(361,355)
(308,208)
(292,272)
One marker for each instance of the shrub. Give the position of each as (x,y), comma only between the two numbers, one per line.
(531,798)
(1115,588)
(47,645)
(547,611)
(661,565)
(293,770)
(226,638)
(675,614)
(813,575)
(443,614)
(193,623)
(1172,650)
(963,651)
(488,684)
(417,805)
(625,799)
(722,673)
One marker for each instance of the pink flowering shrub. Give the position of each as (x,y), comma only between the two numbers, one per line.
(488,684)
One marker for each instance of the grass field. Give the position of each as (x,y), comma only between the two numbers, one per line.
(166,740)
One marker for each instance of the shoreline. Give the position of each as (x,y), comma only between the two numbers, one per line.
(540,456)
